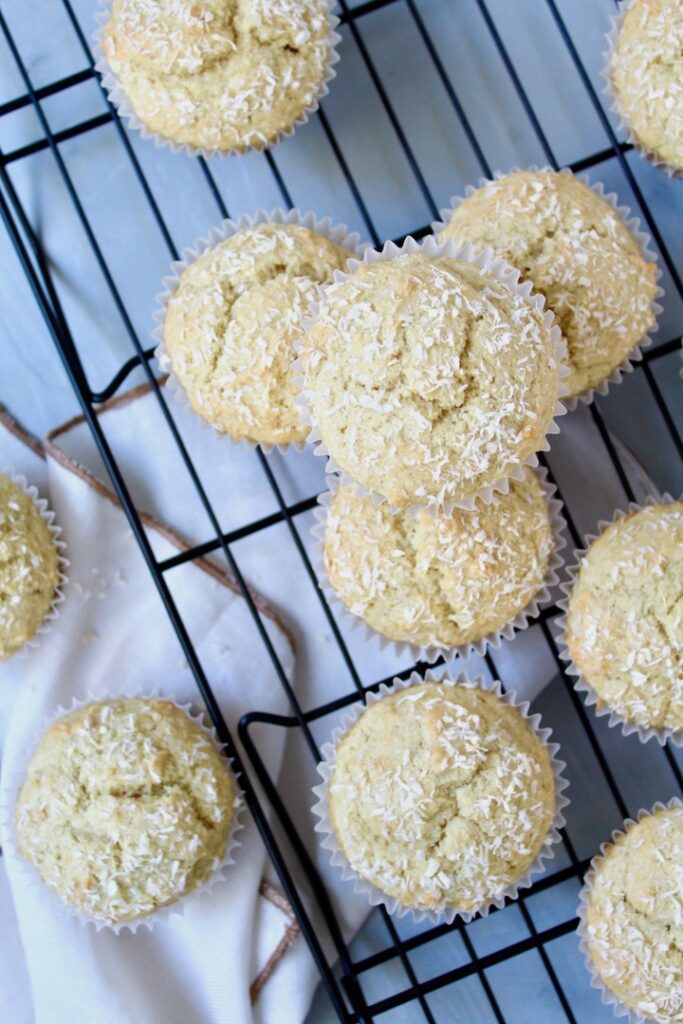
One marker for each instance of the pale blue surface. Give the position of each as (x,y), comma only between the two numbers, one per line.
(35,387)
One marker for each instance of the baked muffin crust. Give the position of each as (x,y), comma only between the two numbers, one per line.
(29,568)
(625,617)
(232,323)
(441,796)
(125,808)
(572,246)
(443,580)
(429,380)
(219,74)
(647,76)
(634,916)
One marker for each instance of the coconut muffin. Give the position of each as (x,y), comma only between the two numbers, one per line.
(441,796)
(29,568)
(232,323)
(125,808)
(624,628)
(429,380)
(220,74)
(574,249)
(646,71)
(633,917)
(439,581)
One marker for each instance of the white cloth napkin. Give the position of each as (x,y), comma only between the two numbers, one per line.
(113,633)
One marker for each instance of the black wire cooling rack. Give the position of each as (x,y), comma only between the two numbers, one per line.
(345,986)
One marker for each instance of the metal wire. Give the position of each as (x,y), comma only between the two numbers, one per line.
(346,993)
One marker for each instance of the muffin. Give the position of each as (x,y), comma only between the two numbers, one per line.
(633,916)
(624,623)
(428,379)
(441,796)
(29,568)
(575,250)
(126,807)
(646,74)
(219,74)
(439,581)
(232,323)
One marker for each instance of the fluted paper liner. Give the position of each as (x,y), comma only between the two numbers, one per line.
(504,273)
(522,620)
(633,226)
(374,895)
(18,776)
(607,997)
(48,517)
(124,108)
(610,93)
(581,685)
(336,233)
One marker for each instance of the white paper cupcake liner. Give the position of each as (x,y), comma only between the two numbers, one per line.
(17,775)
(124,108)
(590,696)
(607,997)
(336,233)
(486,260)
(610,93)
(375,896)
(633,226)
(48,517)
(430,654)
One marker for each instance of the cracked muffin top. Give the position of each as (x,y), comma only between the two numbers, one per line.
(125,808)
(634,917)
(232,323)
(625,617)
(220,74)
(443,580)
(441,796)
(29,568)
(428,379)
(647,76)
(575,250)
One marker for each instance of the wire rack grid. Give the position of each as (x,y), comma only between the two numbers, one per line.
(345,985)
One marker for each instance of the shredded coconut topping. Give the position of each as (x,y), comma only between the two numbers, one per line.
(28,568)
(635,917)
(647,75)
(225,74)
(233,321)
(441,796)
(439,581)
(126,807)
(428,379)
(575,250)
(625,617)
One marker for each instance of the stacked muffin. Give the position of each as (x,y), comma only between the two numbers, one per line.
(430,378)
(576,251)
(233,317)
(442,582)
